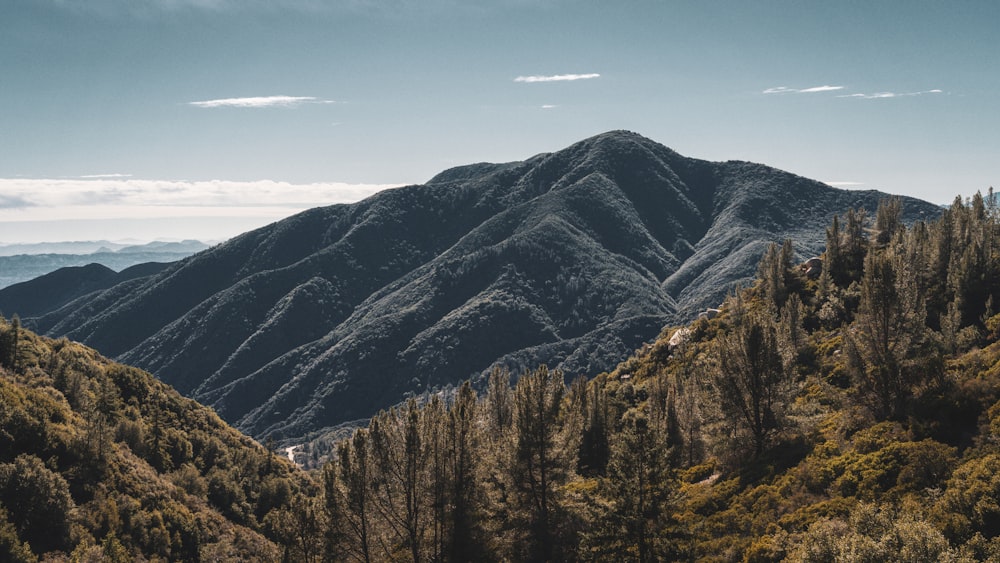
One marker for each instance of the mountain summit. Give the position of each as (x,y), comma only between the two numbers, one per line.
(572,259)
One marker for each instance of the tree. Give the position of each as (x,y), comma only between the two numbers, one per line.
(298,528)
(594,447)
(541,462)
(888,220)
(773,272)
(348,500)
(38,503)
(401,464)
(466,543)
(499,399)
(638,484)
(889,319)
(751,379)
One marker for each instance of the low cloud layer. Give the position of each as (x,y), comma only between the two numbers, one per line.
(33,210)
(156,193)
(557,77)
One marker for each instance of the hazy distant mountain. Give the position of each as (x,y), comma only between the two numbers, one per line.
(572,259)
(23,262)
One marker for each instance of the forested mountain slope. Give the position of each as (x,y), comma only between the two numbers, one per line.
(851,418)
(101,462)
(572,259)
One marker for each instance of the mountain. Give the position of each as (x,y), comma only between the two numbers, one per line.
(20,263)
(55,289)
(572,259)
(101,462)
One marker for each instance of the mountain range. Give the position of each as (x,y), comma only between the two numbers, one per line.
(24,262)
(573,259)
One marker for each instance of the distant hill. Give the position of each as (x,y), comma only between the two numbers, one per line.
(25,262)
(573,259)
(55,289)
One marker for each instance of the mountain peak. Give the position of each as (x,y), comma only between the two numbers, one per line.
(572,258)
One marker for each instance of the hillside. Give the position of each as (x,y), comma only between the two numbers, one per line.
(853,418)
(100,459)
(51,291)
(572,259)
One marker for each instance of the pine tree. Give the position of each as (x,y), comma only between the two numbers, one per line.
(638,483)
(541,462)
(400,464)
(348,497)
(773,272)
(888,322)
(466,542)
(888,220)
(751,380)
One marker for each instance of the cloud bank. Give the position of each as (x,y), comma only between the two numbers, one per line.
(557,77)
(36,210)
(260,102)
(217,195)
(811,90)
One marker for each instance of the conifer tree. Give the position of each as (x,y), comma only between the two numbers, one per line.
(638,482)
(854,248)
(349,505)
(465,539)
(751,379)
(889,320)
(773,271)
(888,220)
(541,462)
(594,446)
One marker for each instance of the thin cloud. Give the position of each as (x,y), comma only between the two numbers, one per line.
(557,77)
(811,90)
(886,95)
(549,106)
(104,176)
(260,102)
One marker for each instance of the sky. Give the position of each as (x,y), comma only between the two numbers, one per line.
(172,119)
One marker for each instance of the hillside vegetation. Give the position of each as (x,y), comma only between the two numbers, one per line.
(572,259)
(101,462)
(850,417)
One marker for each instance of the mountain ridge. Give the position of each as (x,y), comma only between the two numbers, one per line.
(572,258)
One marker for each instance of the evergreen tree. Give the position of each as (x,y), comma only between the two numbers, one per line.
(638,485)
(466,542)
(348,497)
(541,462)
(889,320)
(773,273)
(888,220)
(401,463)
(751,380)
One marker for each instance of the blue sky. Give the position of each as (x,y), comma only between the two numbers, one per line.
(118,112)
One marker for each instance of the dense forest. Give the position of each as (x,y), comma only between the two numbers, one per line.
(101,462)
(848,415)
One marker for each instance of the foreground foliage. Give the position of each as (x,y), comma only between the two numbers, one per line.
(99,460)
